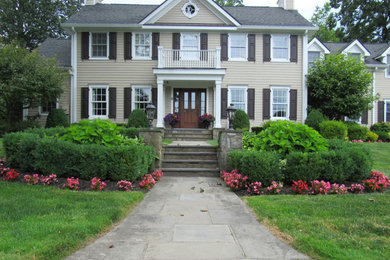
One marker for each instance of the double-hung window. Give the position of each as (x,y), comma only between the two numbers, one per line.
(142,46)
(280,47)
(98,96)
(238,44)
(190,45)
(279,102)
(238,96)
(46,107)
(312,57)
(99,45)
(142,96)
(387,110)
(388,64)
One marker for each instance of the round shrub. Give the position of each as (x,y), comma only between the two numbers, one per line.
(241,121)
(380,127)
(284,136)
(384,136)
(371,136)
(314,119)
(357,132)
(57,117)
(333,130)
(138,119)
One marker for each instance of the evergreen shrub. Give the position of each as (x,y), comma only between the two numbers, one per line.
(57,117)
(138,119)
(241,121)
(333,130)
(314,119)
(356,131)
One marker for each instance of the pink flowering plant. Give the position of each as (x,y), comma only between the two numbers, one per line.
(97,184)
(157,174)
(300,187)
(4,170)
(49,180)
(338,189)
(32,179)
(206,119)
(356,188)
(11,175)
(275,187)
(320,187)
(377,182)
(71,184)
(172,119)
(147,182)
(254,188)
(124,185)
(234,180)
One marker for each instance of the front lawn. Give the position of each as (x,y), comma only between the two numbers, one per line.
(331,226)
(39,222)
(381,156)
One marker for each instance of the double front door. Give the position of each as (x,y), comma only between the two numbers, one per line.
(189,104)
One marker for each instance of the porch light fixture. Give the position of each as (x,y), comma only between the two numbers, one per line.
(231,111)
(150,111)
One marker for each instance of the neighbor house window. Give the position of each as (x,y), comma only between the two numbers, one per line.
(279,102)
(238,46)
(46,107)
(388,68)
(142,96)
(387,110)
(237,96)
(190,43)
(280,47)
(99,45)
(142,46)
(313,56)
(356,56)
(98,96)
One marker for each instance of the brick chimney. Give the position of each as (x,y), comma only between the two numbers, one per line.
(92,2)
(286,4)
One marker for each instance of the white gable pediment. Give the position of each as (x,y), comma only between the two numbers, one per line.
(317,45)
(356,47)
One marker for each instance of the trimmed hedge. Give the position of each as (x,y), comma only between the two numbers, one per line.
(241,121)
(42,132)
(129,132)
(357,132)
(138,119)
(257,165)
(57,117)
(314,119)
(28,152)
(333,130)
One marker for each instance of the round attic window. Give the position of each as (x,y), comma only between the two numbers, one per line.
(190,9)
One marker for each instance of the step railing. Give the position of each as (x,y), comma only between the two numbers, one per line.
(168,58)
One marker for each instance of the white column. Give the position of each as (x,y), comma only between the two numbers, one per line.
(218,57)
(217,103)
(160,103)
(73,88)
(305,67)
(373,120)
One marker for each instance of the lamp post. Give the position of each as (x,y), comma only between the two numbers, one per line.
(150,111)
(231,111)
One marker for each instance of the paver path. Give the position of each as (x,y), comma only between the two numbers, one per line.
(189,218)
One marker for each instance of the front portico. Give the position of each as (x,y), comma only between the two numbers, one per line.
(178,78)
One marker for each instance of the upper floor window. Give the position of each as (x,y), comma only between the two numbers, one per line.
(46,107)
(313,56)
(142,96)
(280,47)
(142,46)
(387,110)
(98,101)
(190,43)
(388,68)
(99,45)
(237,96)
(279,102)
(238,46)
(356,56)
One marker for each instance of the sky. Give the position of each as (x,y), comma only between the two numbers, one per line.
(304,7)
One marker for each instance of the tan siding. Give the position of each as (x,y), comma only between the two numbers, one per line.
(382,86)
(176,16)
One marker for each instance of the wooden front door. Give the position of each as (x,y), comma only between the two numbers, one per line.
(190,104)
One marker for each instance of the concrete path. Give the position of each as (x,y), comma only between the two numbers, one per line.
(189,218)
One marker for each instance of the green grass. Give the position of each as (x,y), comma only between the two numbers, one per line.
(39,222)
(213,142)
(2,152)
(330,227)
(381,155)
(166,141)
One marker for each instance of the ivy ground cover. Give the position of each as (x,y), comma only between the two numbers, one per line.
(40,222)
(345,226)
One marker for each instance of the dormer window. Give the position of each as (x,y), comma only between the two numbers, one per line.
(356,56)
(313,56)
(190,9)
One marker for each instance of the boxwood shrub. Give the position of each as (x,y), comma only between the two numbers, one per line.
(333,130)
(257,165)
(357,132)
(28,152)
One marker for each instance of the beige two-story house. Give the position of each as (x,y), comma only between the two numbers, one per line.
(189,57)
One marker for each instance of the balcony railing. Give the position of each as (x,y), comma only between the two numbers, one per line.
(189,58)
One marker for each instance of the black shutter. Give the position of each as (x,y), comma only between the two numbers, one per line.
(266,47)
(204,46)
(381,111)
(112,55)
(85,45)
(155,44)
(154,100)
(224,96)
(176,45)
(251,103)
(251,47)
(294,48)
(266,103)
(224,47)
(84,103)
(293,104)
(365,118)
(112,103)
(127,102)
(127,45)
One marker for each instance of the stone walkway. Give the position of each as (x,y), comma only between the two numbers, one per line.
(189,218)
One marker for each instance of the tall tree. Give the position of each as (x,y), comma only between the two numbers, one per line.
(229,2)
(366,20)
(326,21)
(30,22)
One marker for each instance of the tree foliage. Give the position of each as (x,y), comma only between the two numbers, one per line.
(26,79)
(230,2)
(366,20)
(340,86)
(30,22)
(326,22)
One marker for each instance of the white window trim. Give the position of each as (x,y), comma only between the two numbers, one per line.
(90,47)
(133,52)
(385,109)
(181,44)
(387,72)
(320,57)
(183,9)
(45,114)
(133,87)
(90,101)
(288,102)
(240,87)
(288,48)
(230,46)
